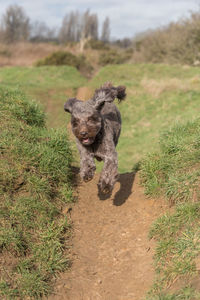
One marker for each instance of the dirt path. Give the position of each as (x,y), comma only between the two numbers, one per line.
(84,93)
(112,254)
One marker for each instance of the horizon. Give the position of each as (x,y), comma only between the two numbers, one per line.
(127,21)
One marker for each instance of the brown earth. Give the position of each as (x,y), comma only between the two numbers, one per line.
(84,93)
(112,255)
(27,53)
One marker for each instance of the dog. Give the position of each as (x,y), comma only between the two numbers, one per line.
(96,124)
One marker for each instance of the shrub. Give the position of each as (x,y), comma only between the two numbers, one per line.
(59,58)
(176,43)
(113,57)
(97,45)
(66,58)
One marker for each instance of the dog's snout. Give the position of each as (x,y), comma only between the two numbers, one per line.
(83,133)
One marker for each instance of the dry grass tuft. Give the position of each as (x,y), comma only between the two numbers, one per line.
(26,54)
(155,88)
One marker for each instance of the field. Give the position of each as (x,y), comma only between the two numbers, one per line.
(51,86)
(160,136)
(157,96)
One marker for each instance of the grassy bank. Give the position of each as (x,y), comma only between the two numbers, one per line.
(173,171)
(35,186)
(157,96)
(49,85)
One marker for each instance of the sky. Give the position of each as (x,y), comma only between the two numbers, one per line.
(127,17)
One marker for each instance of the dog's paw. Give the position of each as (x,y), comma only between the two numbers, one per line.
(104,187)
(88,176)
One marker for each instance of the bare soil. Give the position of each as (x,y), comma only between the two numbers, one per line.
(84,93)
(112,256)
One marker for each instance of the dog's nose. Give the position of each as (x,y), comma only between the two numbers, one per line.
(83,133)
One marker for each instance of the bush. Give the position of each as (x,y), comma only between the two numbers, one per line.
(60,58)
(113,57)
(97,45)
(176,43)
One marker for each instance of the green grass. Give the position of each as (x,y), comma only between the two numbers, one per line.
(186,293)
(50,85)
(157,96)
(35,186)
(173,171)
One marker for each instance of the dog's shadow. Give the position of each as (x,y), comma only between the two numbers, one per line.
(126,181)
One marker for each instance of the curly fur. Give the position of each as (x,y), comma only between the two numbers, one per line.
(96,124)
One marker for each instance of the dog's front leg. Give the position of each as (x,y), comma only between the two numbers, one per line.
(87,164)
(109,174)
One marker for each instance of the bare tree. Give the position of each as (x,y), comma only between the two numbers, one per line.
(76,27)
(105,35)
(70,29)
(15,24)
(93,26)
(40,32)
(123,43)
(90,25)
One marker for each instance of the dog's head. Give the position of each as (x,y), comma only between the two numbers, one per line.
(85,120)
(86,117)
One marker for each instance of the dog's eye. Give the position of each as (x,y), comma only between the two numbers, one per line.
(92,119)
(75,122)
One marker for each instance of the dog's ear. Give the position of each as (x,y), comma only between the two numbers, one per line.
(69,104)
(108,93)
(100,97)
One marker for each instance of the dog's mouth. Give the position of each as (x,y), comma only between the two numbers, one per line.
(87,141)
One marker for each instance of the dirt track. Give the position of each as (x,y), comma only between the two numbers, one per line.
(112,256)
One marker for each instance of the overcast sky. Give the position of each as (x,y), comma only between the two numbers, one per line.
(127,17)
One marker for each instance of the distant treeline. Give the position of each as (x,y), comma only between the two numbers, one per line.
(17,26)
(175,43)
(178,42)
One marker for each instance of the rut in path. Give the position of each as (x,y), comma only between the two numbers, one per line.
(112,256)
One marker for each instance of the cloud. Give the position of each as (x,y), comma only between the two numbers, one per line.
(127,18)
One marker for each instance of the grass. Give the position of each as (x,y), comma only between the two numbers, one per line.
(157,96)
(186,293)
(173,171)
(35,187)
(50,85)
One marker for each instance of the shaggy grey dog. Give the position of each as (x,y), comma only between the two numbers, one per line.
(96,124)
